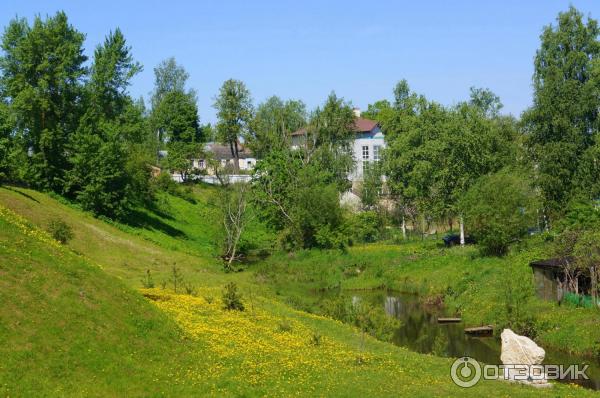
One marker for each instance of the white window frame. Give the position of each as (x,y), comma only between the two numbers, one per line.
(377,153)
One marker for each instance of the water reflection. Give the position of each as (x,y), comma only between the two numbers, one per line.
(419,331)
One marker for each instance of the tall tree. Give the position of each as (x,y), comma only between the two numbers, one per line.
(563,120)
(234,113)
(298,190)
(42,71)
(99,177)
(329,134)
(176,117)
(485,99)
(273,123)
(169,77)
(174,108)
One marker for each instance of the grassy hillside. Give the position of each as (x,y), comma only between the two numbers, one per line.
(69,328)
(74,322)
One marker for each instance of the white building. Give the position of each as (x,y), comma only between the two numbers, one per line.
(367,145)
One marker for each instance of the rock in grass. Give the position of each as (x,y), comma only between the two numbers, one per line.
(520,355)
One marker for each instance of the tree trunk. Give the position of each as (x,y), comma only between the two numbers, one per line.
(403,228)
(236,165)
(462,230)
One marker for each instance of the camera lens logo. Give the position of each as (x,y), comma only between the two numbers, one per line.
(465,372)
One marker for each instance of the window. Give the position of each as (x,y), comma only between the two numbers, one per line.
(365,152)
(201,163)
(249,164)
(377,153)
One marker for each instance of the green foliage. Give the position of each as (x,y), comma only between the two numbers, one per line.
(435,153)
(499,209)
(298,190)
(40,61)
(365,226)
(372,185)
(175,117)
(562,124)
(273,123)
(169,77)
(232,299)
(580,214)
(368,318)
(60,230)
(484,99)
(176,279)
(234,111)
(148,281)
(180,155)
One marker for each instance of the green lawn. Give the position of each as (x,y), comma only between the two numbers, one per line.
(74,322)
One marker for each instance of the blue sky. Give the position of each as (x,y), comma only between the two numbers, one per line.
(305,49)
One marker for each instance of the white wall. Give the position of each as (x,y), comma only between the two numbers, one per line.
(369,140)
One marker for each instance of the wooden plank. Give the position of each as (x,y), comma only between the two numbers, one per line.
(480,331)
(449,320)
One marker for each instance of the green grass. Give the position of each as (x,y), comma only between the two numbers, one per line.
(73,321)
(478,288)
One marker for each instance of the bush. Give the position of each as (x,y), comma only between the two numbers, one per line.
(232,299)
(148,281)
(365,226)
(499,209)
(60,231)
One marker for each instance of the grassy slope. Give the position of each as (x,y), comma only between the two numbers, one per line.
(68,328)
(476,287)
(71,328)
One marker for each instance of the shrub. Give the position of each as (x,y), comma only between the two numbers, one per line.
(316,339)
(499,209)
(147,281)
(60,230)
(284,326)
(232,299)
(365,226)
(190,289)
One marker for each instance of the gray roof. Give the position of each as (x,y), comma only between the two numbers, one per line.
(221,152)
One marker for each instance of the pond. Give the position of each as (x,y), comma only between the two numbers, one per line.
(419,331)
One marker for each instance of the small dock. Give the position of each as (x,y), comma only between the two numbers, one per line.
(480,331)
(449,320)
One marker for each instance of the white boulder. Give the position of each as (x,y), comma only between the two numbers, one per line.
(521,357)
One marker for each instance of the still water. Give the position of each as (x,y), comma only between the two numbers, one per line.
(419,331)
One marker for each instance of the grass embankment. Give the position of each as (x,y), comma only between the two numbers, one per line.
(77,324)
(483,290)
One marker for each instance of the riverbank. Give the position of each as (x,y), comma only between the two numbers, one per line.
(482,290)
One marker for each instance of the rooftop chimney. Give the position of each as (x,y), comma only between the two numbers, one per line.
(356,112)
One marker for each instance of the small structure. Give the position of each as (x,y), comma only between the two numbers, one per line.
(549,278)
(480,331)
(449,320)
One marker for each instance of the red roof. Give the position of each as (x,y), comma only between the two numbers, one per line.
(361,125)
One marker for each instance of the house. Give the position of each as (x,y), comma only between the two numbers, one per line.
(367,144)
(222,154)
